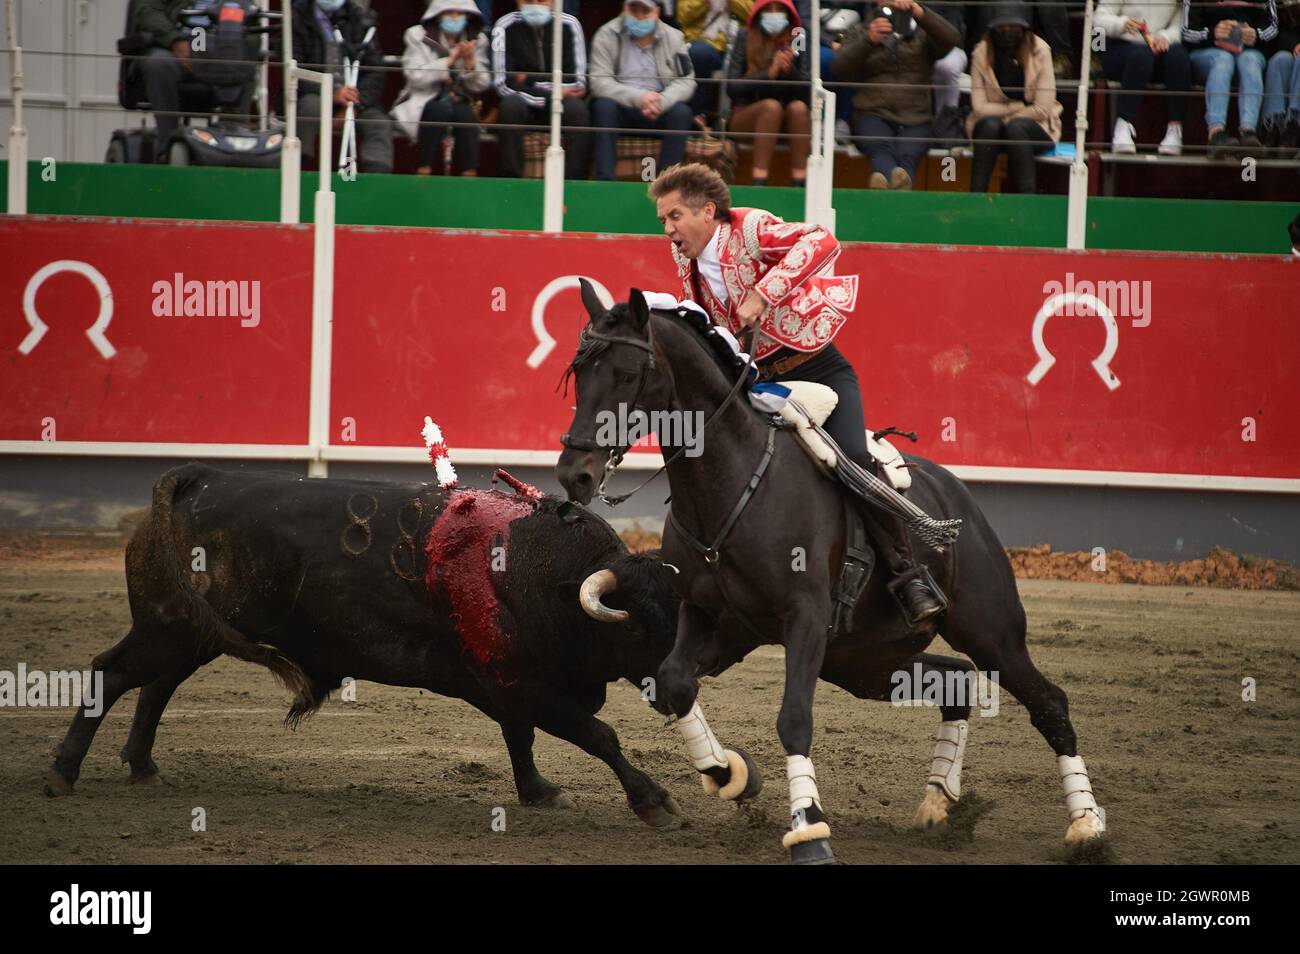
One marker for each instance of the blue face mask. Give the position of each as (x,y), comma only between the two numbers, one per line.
(329,6)
(639,28)
(773,23)
(535,14)
(453,25)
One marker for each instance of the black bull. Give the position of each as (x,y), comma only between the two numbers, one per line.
(321,580)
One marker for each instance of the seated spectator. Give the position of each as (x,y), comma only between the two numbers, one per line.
(521,68)
(166,63)
(1050,20)
(1222,38)
(764,51)
(1281,124)
(948,70)
(891,120)
(317,24)
(1013,99)
(446,67)
(705,24)
(1145,42)
(641,78)
(1293,230)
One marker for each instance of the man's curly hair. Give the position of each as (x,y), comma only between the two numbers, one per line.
(698,184)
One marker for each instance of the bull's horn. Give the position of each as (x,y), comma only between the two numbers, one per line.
(593,588)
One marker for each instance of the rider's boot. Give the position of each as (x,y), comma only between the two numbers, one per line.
(911,585)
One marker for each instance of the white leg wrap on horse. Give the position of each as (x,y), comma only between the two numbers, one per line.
(803,795)
(701,744)
(803,783)
(1079,800)
(949,747)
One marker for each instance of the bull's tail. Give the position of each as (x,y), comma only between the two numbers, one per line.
(214,632)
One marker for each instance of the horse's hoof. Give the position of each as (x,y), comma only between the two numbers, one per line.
(1084,828)
(932,815)
(744,782)
(145,779)
(667,815)
(557,799)
(815,852)
(56,785)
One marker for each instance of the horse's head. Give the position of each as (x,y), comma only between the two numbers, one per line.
(614,374)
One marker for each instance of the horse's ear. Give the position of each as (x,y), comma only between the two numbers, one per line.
(590,300)
(637,308)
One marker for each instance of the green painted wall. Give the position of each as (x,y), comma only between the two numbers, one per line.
(940,218)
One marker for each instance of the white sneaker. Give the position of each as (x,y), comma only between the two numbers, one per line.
(843,134)
(1122,141)
(1172,144)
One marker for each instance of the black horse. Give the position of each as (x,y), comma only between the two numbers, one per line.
(777,567)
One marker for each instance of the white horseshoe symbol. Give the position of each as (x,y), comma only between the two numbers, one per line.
(545,343)
(95,332)
(1101,363)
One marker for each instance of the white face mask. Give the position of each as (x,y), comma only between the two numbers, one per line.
(330,6)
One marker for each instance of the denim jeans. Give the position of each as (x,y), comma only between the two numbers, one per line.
(608,114)
(891,146)
(1281,86)
(706,60)
(1213,68)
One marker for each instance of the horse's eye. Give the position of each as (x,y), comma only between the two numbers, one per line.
(625,377)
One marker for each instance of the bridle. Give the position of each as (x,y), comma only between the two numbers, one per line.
(591,343)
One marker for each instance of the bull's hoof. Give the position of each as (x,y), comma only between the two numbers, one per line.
(667,815)
(815,852)
(56,785)
(1084,828)
(556,799)
(932,815)
(744,781)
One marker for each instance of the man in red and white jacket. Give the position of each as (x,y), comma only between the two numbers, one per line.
(746,267)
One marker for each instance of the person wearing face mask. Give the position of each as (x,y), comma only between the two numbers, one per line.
(768,87)
(445,63)
(705,25)
(641,78)
(317,26)
(892,111)
(1013,99)
(521,70)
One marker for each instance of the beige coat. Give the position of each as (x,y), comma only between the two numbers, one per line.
(1040,105)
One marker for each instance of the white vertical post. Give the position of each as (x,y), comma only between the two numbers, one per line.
(1076,230)
(821,150)
(553,195)
(291,148)
(17,131)
(322,287)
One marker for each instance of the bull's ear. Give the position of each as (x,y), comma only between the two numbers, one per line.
(590,300)
(637,308)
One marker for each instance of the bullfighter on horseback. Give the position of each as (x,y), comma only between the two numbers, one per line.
(747,268)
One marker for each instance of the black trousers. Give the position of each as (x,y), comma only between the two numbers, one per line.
(446,110)
(510,139)
(846,424)
(1022,139)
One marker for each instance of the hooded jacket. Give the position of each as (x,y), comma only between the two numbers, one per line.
(884,67)
(784,91)
(672,63)
(1039,102)
(709,21)
(424,63)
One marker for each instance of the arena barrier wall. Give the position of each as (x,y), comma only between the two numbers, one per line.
(1181,374)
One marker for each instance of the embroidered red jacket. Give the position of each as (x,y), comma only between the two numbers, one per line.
(790,265)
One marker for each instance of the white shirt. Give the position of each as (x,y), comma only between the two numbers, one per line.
(711,267)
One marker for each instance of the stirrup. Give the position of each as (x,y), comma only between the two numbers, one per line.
(921,573)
